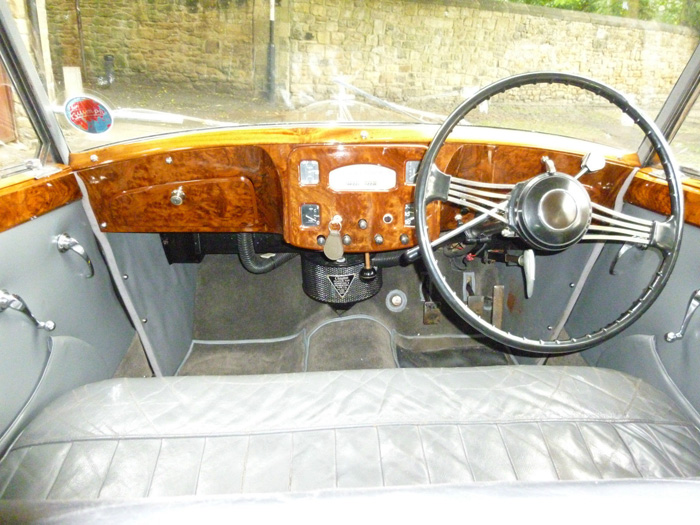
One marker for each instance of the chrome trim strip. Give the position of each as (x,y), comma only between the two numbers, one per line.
(29,87)
(677,105)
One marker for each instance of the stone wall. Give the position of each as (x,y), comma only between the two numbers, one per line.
(406,50)
(184,42)
(401,50)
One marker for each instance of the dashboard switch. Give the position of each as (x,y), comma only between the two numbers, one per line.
(333,248)
(177,197)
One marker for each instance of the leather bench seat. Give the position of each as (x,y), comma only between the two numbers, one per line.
(134,438)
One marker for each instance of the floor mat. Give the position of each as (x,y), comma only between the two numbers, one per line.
(245,358)
(350,344)
(260,324)
(448,351)
(450,358)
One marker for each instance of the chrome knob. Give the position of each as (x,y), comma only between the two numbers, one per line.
(177,197)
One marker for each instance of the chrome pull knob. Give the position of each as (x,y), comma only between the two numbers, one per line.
(65,242)
(177,197)
(692,306)
(15,302)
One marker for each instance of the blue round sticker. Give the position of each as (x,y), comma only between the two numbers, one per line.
(88,114)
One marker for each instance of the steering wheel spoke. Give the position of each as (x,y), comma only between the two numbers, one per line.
(470,195)
(611,225)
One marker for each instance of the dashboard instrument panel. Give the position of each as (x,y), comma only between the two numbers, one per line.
(294,181)
(369,187)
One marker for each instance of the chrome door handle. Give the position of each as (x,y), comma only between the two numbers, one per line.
(15,302)
(65,242)
(692,306)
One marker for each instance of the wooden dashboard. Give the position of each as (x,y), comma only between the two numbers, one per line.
(291,181)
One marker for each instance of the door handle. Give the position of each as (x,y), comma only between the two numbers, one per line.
(65,242)
(15,302)
(692,306)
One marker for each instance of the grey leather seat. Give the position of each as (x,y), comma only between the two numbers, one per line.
(133,438)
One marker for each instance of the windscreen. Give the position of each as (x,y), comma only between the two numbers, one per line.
(123,69)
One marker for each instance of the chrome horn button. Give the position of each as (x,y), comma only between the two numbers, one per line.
(558,209)
(551,211)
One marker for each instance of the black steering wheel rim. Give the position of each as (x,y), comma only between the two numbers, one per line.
(673,224)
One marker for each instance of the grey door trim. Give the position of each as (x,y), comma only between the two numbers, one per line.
(111,261)
(29,88)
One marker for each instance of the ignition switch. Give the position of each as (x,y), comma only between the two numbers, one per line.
(333,248)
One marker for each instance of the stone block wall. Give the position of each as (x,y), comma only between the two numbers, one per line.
(405,51)
(205,43)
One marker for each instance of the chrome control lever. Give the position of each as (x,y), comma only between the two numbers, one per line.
(692,306)
(527,261)
(591,163)
(15,302)
(65,242)
(622,251)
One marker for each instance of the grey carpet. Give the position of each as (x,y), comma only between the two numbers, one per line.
(134,363)
(233,306)
(269,357)
(350,344)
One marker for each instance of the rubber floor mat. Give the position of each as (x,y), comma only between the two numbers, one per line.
(451,357)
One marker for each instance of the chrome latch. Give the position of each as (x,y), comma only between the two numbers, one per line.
(65,242)
(15,302)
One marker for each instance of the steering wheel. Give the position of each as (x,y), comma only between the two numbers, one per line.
(549,212)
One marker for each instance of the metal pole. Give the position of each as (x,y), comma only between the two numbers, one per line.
(271,55)
(80,39)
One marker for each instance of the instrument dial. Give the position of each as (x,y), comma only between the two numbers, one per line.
(310,215)
(309,172)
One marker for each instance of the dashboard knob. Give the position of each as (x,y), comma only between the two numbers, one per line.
(404,238)
(378,239)
(177,197)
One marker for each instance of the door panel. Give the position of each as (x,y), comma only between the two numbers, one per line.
(642,349)
(54,286)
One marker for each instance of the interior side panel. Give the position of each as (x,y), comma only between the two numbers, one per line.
(55,287)
(608,295)
(163,295)
(538,316)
